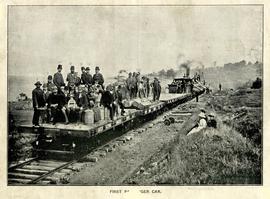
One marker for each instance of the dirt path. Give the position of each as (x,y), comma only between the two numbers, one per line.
(118,164)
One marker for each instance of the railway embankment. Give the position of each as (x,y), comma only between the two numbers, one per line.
(229,154)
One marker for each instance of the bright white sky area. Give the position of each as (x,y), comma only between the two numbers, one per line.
(133,38)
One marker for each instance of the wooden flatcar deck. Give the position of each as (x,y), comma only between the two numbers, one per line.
(83,130)
(80,129)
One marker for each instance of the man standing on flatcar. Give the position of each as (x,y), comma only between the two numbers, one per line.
(72,78)
(156,89)
(88,78)
(49,85)
(58,79)
(83,76)
(134,85)
(38,102)
(129,85)
(98,77)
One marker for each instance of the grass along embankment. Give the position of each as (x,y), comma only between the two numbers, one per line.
(230,154)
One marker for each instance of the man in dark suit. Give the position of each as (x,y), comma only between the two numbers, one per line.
(49,85)
(88,78)
(83,75)
(156,89)
(56,104)
(72,78)
(82,101)
(58,79)
(98,77)
(107,99)
(38,102)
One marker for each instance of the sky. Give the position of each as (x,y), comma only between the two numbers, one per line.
(133,38)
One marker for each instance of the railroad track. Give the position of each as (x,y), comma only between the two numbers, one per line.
(161,157)
(38,171)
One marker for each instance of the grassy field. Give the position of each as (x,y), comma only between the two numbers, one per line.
(220,156)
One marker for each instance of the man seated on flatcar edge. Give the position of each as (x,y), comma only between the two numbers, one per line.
(56,104)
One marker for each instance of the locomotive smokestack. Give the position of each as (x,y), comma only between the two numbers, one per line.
(187,67)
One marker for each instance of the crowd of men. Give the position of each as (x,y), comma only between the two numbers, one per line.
(64,102)
(141,87)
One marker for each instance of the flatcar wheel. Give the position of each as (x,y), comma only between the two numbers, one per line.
(172,120)
(166,109)
(167,122)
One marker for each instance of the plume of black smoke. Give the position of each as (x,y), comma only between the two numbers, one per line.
(186,66)
(184,63)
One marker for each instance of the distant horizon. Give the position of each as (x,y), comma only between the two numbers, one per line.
(79,71)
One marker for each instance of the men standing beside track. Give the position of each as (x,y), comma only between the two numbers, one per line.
(58,79)
(38,102)
(98,77)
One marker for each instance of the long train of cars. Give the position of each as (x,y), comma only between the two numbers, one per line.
(69,138)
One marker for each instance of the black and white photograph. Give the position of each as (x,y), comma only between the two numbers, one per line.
(135,95)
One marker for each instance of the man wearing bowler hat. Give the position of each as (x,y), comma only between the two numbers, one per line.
(83,75)
(98,77)
(58,79)
(49,85)
(72,78)
(38,102)
(89,78)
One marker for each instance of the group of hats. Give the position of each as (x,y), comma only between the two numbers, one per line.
(87,68)
(202,114)
(60,67)
(72,67)
(83,68)
(38,83)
